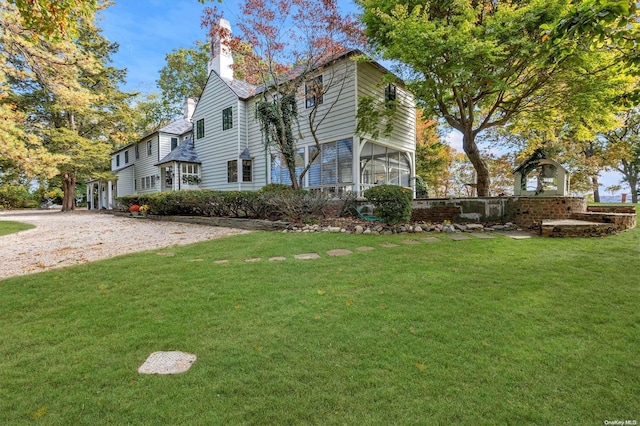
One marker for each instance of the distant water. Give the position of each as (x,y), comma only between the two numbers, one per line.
(614,198)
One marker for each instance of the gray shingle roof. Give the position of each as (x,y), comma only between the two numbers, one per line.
(241,88)
(178,127)
(184,153)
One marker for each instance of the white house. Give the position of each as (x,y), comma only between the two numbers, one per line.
(219,143)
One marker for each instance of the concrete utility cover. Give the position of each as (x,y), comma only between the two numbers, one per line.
(174,362)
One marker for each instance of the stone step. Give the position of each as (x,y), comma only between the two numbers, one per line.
(575,228)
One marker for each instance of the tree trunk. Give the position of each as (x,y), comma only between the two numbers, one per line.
(596,188)
(633,184)
(69,190)
(483,179)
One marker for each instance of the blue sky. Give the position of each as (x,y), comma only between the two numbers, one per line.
(147,30)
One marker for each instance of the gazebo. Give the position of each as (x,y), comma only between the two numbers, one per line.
(541,176)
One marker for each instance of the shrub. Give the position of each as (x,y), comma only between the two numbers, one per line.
(275,203)
(393,203)
(271,187)
(298,205)
(15,197)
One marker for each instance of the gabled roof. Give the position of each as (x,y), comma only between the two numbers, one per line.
(531,162)
(184,153)
(245,91)
(177,127)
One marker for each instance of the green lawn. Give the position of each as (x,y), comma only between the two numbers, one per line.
(502,331)
(10,227)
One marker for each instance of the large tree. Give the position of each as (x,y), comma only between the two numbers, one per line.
(433,156)
(284,45)
(64,97)
(183,76)
(476,64)
(623,148)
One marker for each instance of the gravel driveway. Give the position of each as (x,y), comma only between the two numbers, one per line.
(64,239)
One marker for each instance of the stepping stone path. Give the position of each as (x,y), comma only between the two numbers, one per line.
(339,252)
(482,236)
(307,256)
(431,240)
(459,237)
(453,236)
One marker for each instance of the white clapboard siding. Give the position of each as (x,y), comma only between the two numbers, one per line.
(255,142)
(125,183)
(403,136)
(336,116)
(217,146)
(145,165)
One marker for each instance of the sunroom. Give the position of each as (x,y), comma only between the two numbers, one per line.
(335,171)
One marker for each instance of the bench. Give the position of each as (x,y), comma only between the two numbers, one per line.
(366,216)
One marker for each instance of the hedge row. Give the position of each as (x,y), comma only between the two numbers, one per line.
(272,202)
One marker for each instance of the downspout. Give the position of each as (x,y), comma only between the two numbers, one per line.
(238,161)
(179,176)
(355,145)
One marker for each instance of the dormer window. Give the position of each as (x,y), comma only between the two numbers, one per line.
(313,92)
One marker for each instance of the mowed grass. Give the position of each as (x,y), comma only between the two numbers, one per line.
(9,227)
(502,331)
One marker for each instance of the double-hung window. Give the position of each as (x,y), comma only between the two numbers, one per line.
(232,171)
(227,118)
(390,96)
(149,148)
(200,129)
(313,92)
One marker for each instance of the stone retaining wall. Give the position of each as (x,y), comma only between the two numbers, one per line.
(526,212)
(248,224)
(529,212)
(435,214)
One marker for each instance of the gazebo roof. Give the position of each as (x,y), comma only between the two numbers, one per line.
(538,154)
